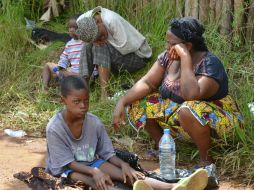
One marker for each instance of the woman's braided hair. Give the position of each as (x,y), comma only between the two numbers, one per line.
(189,30)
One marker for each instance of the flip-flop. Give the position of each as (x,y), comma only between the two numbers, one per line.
(213,181)
(196,181)
(141,185)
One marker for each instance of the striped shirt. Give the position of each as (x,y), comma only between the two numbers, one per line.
(71,56)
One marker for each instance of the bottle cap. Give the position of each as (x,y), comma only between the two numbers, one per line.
(55,69)
(166,131)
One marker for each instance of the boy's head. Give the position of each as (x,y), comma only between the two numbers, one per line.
(75,95)
(72,26)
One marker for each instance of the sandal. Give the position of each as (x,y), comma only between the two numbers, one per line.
(141,185)
(196,181)
(213,181)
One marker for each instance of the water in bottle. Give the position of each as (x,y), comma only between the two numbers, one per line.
(167,155)
(95,72)
(58,73)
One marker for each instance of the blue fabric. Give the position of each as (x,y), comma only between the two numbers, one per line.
(94,164)
(97,163)
(59,75)
(66,173)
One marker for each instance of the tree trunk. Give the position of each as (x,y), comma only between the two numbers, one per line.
(191,8)
(212,12)
(218,12)
(179,8)
(226,17)
(203,10)
(239,20)
(250,22)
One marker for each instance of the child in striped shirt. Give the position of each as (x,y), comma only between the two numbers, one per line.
(69,59)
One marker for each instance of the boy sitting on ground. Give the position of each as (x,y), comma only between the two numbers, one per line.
(79,147)
(69,59)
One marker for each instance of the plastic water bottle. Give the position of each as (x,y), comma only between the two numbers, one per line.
(95,72)
(17,134)
(167,155)
(58,74)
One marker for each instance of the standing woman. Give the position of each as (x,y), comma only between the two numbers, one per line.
(186,90)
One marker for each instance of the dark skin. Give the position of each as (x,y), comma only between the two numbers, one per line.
(72,27)
(47,70)
(77,104)
(103,33)
(183,58)
(104,73)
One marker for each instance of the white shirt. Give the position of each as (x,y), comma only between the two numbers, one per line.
(121,34)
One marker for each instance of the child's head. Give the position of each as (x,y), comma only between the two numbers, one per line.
(75,95)
(72,26)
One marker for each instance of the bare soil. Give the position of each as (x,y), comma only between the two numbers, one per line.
(22,154)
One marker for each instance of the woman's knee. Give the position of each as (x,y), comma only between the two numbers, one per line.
(184,115)
(189,123)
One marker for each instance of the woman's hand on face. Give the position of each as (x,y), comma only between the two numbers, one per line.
(118,115)
(178,51)
(129,172)
(101,179)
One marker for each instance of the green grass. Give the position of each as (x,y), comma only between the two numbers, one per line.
(24,106)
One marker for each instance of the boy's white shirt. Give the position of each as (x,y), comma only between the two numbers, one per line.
(121,34)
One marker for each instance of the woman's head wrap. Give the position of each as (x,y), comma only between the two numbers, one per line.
(189,30)
(87,29)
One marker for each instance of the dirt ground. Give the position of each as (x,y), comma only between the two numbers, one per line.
(22,154)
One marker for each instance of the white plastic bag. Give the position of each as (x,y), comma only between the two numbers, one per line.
(17,134)
(251,106)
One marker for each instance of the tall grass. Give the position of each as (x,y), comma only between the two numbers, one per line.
(21,64)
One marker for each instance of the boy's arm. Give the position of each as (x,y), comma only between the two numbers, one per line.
(117,161)
(64,62)
(81,168)
(64,71)
(100,178)
(127,171)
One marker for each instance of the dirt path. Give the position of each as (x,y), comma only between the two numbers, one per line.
(23,154)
